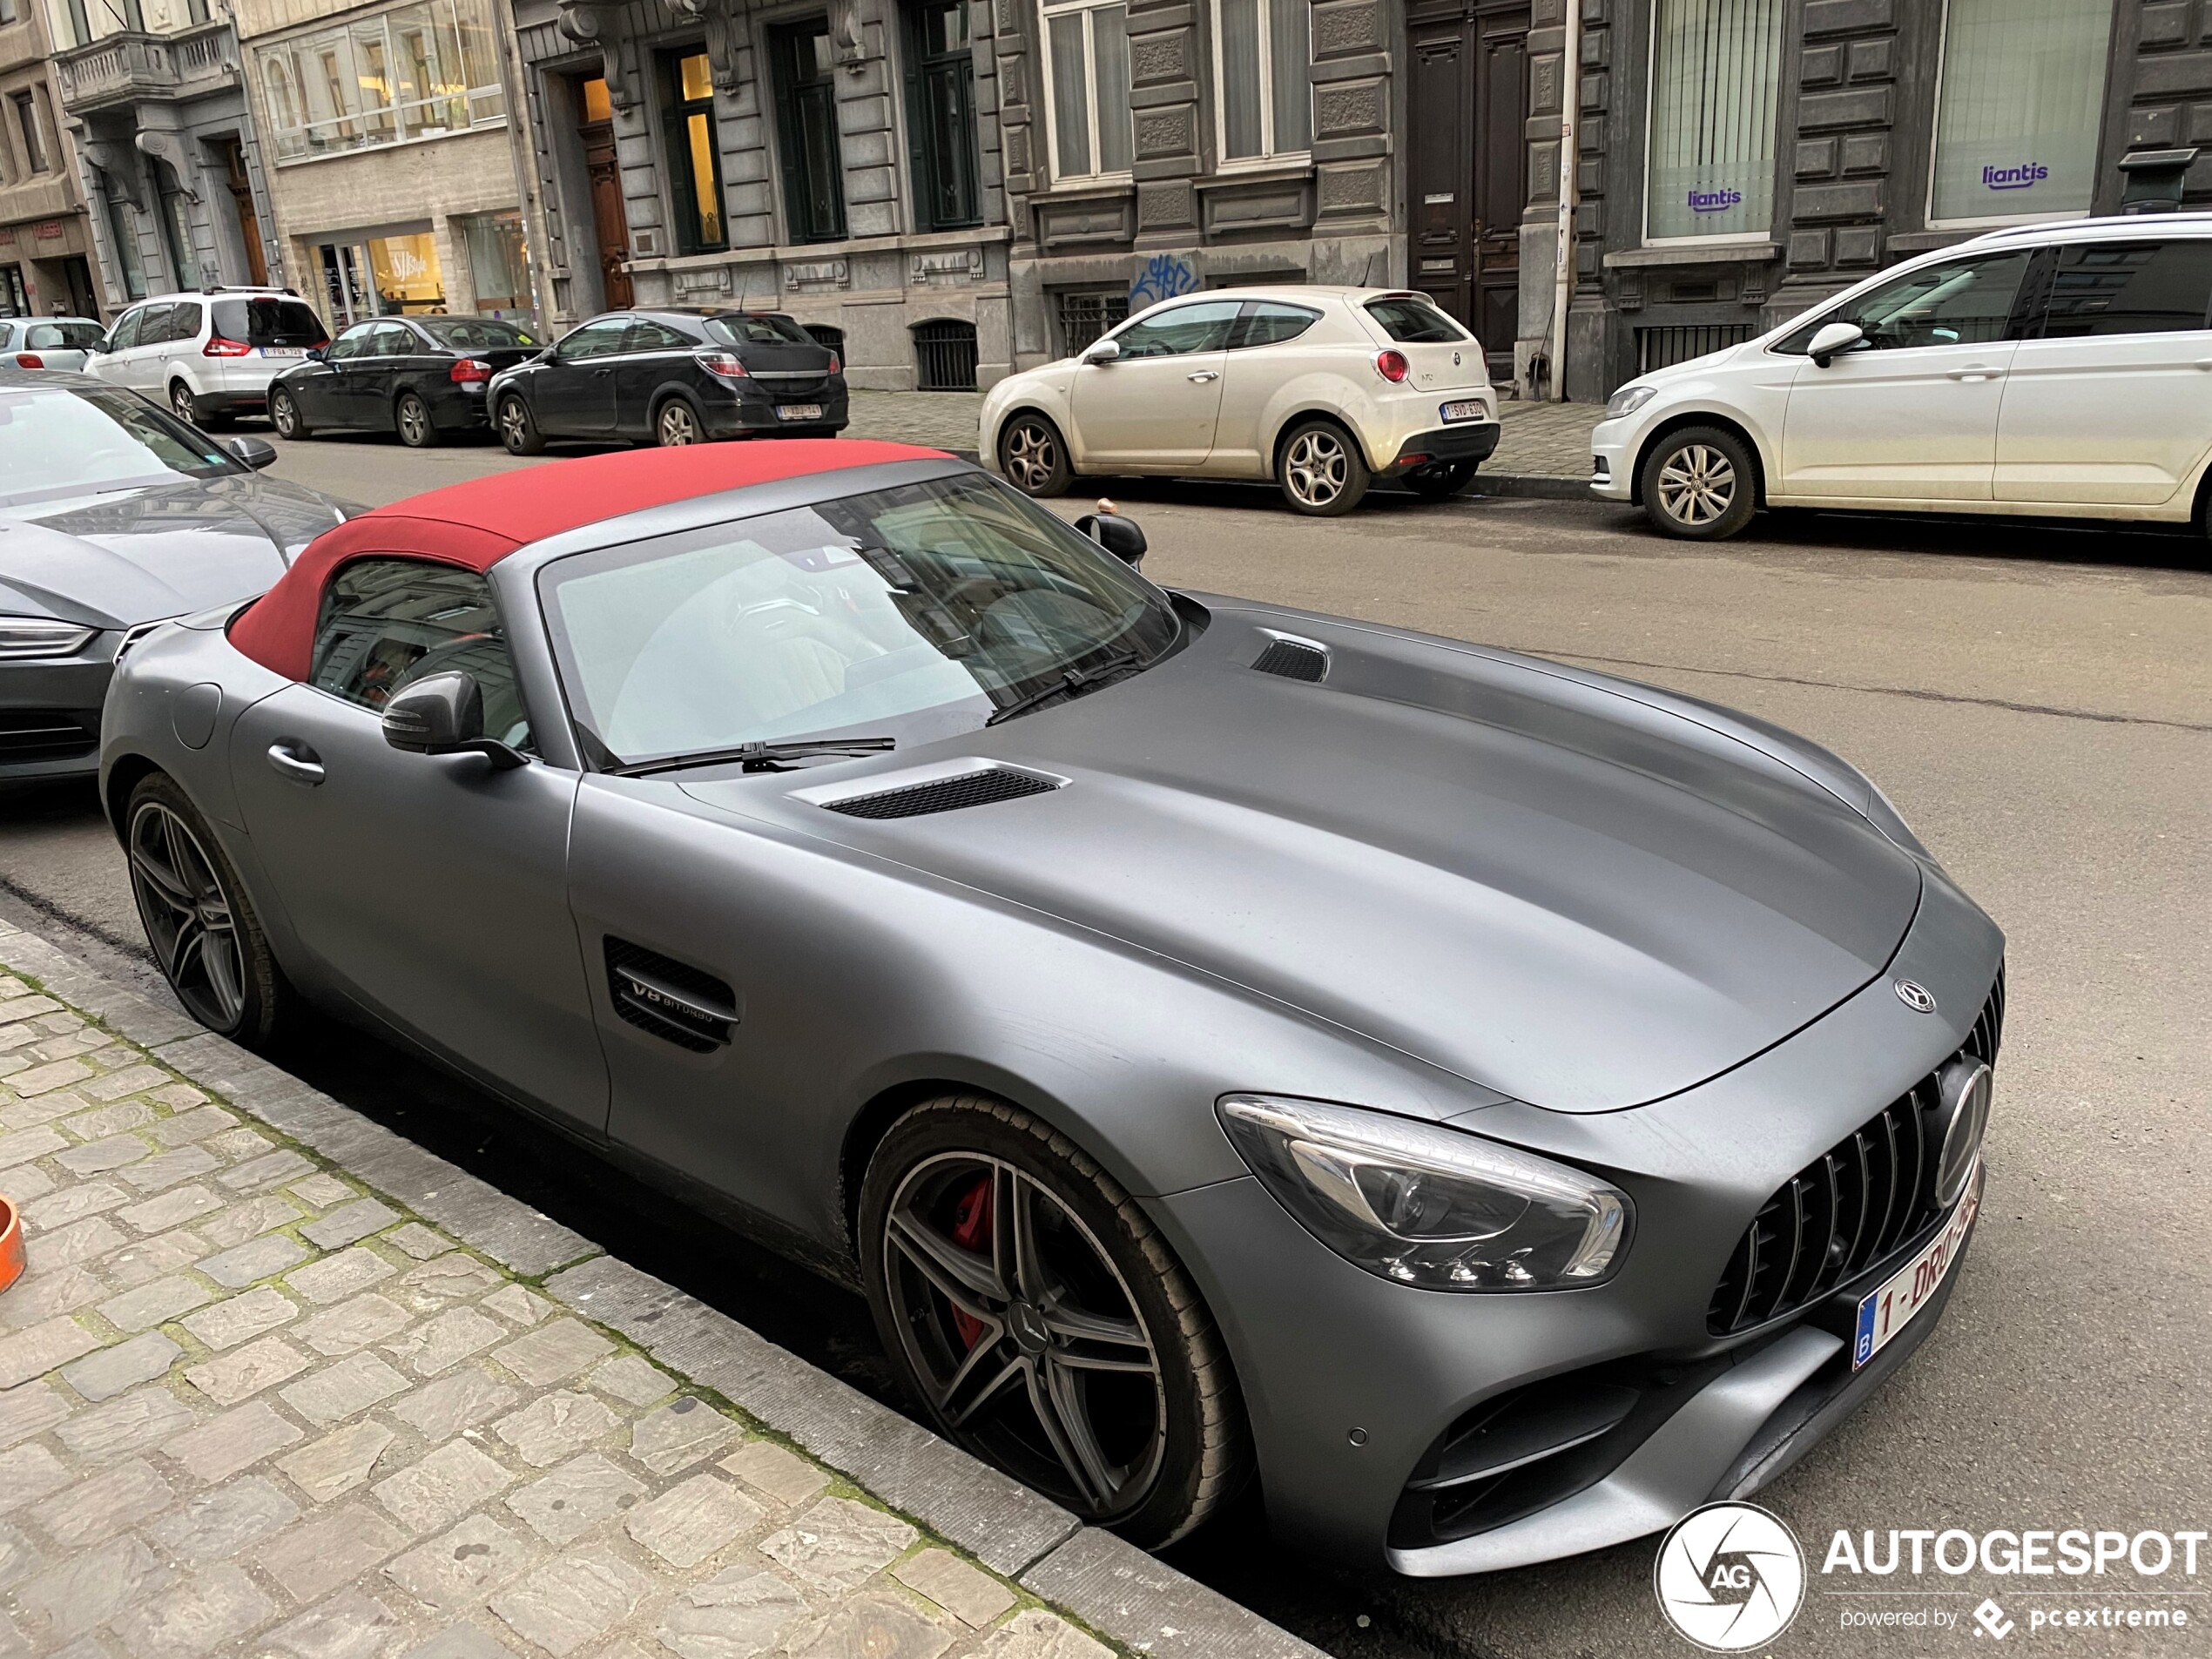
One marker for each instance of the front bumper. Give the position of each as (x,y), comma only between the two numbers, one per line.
(1613,450)
(1353,1384)
(1461,440)
(50,713)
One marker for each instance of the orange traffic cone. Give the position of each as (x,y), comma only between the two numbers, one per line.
(10,1245)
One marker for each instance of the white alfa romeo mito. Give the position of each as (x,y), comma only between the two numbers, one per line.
(1324,389)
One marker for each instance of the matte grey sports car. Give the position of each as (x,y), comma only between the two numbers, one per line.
(114,515)
(1501,1106)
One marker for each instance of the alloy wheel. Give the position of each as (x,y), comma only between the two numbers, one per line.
(1696,484)
(1031,456)
(188,917)
(284,415)
(677,425)
(514,424)
(1317,468)
(415,421)
(180,403)
(1024,1334)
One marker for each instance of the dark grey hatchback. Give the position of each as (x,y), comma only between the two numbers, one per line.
(675,376)
(422,377)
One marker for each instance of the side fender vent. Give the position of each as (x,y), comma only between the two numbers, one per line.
(1293,659)
(978,787)
(677,1004)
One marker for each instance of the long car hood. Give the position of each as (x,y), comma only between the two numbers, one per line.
(125,557)
(1553,885)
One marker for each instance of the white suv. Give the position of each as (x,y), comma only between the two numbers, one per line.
(2058,369)
(211,354)
(1323,389)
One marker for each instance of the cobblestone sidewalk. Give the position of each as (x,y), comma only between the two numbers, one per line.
(252,1403)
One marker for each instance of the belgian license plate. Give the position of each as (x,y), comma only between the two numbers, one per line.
(1470,410)
(283,351)
(799,411)
(1893,1304)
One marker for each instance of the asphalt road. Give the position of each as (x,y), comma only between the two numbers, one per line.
(2036,701)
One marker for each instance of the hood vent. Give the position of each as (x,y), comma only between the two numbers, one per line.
(1293,659)
(976,784)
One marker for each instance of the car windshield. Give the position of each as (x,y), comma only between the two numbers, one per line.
(54,439)
(1414,323)
(912,612)
(758,328)
(269,322)
(469,334)
(62,337)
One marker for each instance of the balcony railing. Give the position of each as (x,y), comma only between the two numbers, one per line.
(120,68)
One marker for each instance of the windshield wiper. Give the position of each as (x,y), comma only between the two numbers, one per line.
(1073,683)
(761,757)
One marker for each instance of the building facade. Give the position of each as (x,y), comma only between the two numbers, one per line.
(155,100)
(46,257)
(391,157)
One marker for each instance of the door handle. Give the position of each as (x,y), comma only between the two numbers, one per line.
(293,759)
(2204,363)
(1202,376)
(1974,371)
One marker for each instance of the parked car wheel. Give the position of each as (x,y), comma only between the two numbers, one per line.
(196,917)
(182,404)
(1321,469)
(1699,483)
(411,416)
(284,416)
(1439,479)
(1038,1315)
(678,424)
(1034,456)
(518,430)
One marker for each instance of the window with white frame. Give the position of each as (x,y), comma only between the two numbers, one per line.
(1262,58)
(418,72)
(1086,81)
(2019,107)
(1716,87)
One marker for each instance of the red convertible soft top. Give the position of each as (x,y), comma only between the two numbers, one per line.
(478,523)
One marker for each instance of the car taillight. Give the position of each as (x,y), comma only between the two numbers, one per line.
(1393,365)
(723,365)
(218,347)
(468,372)
(30,360)
(837,364)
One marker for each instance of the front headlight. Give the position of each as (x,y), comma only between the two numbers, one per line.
(1426,1205)
(1628,400)
(22,637)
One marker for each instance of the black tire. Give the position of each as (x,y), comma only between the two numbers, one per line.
(678,424)
(1096,1259)
(518,426)
(1441,479)
(225,975)
(411,419)
(284,415)
(1034,456)
(1320,469)
(1700,483)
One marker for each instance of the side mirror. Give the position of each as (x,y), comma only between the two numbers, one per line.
(1122,537)
(443,714)
(316,353)
(1104,352)
(1831,338)
(98,346)
(256,453)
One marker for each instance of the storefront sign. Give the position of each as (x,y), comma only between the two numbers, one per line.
(50,230)
(2024,176)
(1714,201)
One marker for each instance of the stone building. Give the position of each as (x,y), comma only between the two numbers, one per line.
(153,95)
(46,249)
(391,159)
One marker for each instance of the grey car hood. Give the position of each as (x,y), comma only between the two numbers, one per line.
(129,555)
(1554,889)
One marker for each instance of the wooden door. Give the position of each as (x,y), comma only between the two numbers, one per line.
(1468,166)
(249,222)
(609,222)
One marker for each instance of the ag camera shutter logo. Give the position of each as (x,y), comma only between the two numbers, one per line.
(1730,1577)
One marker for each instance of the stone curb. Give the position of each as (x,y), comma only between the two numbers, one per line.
(1110,1585)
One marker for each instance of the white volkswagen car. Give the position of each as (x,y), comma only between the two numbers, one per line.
(2060,369)
(210,355)
(1324,389)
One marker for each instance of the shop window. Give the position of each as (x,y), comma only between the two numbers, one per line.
(381,276)
(1263,60)
(945,355)
(694,151)
(806,131)
(1715,84)
(498,263)
(1086,80)
(941,116)
(1084,317)
(418,72)
(15,298)
(2018,109)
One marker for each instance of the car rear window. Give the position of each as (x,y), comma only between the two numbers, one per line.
(1412,322)
(758,328)
(269,322)
(474,331)
(62,337)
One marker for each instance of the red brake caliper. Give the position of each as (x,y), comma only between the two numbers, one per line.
(972,1230)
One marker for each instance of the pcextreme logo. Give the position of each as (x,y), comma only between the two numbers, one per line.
(1730,1577)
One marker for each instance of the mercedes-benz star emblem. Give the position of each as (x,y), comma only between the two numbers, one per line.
(1915,996)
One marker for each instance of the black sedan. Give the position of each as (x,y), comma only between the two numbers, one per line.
(115,516)
(422,377)
(673,377)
